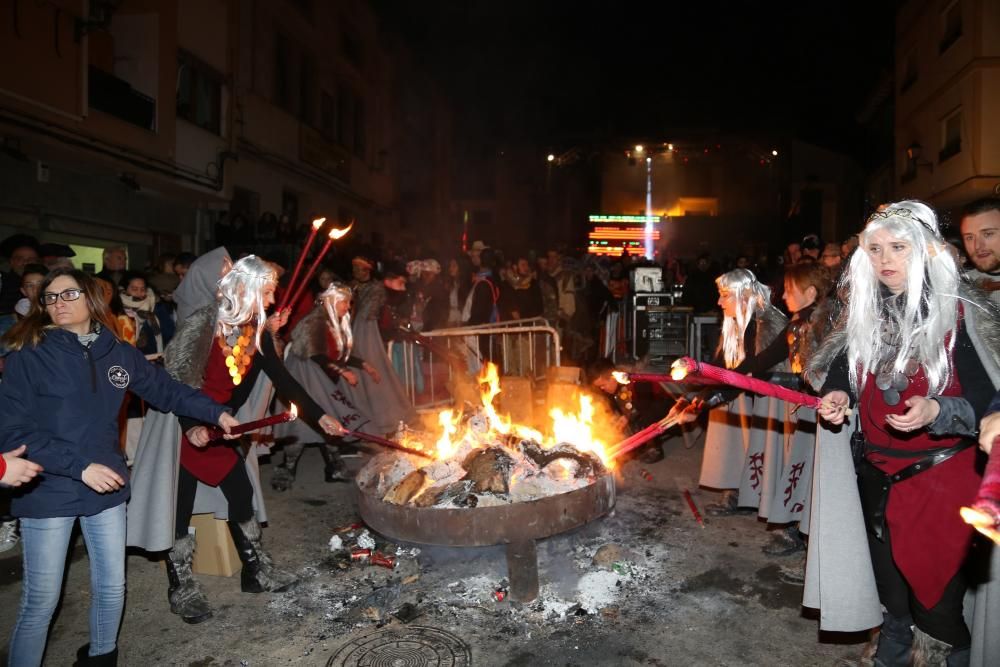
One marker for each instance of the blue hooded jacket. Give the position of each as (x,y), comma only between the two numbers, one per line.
(62,400)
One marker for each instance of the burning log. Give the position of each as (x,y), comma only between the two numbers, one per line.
(588,464)
(405,491)
(489,470)
(459,494)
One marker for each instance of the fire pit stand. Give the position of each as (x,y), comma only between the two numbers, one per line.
(517,525)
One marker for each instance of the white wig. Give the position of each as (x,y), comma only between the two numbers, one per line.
(334,294)
(924,314)
(752,298)
(241,298)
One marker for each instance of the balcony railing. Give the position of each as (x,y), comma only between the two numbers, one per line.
(118,98)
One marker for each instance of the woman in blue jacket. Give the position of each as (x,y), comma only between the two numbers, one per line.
(62,390)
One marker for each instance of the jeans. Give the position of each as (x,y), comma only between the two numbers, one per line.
(45,543)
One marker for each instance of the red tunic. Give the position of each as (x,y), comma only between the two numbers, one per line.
(212,463)
(929,539)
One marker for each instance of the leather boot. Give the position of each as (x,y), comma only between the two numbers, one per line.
(185,595)
(930,652)
(335,470)
(103,660)
(895,641)
(727,505)
(259,573)
(284,474)
(785,542)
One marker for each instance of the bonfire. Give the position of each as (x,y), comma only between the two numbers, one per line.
(478,457)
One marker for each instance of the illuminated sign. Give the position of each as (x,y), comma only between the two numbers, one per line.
(614,235)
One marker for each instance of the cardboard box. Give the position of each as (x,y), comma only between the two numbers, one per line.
(569,374)
(517,399)
(214,551)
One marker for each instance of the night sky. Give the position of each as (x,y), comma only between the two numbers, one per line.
(559,74)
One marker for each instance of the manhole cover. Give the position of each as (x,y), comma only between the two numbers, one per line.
(411,646)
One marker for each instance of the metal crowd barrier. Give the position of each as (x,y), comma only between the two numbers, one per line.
(519,347)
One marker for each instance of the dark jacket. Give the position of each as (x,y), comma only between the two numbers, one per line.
(62,400)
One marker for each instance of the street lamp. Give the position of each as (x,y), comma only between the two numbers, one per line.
(551,157)
(774,153)
(638,148)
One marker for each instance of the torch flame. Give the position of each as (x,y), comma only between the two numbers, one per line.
(621,377)
(340,233)
(982,522)
(678,370)
(294,410)
(318,222)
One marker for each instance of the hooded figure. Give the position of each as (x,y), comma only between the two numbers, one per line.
(320,357)
(223,348)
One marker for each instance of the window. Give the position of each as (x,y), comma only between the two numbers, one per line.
(351,48)
(351,120)
(359,127)
(951,135)
(304,7)
(199,93)
(307,89)
(283,74)
(327,115)
(909,72)
(296,76)
(951,24)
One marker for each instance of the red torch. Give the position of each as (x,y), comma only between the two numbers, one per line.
(333,236)
(216,432)
(316,224)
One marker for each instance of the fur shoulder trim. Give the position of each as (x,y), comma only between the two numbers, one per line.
(309,336)
(770,324)
(187,354)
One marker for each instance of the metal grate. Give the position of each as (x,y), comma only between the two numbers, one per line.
(410,646)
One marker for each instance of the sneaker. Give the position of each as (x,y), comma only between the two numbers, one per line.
(9,537)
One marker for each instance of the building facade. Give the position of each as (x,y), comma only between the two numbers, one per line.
(947,100)
(160,124)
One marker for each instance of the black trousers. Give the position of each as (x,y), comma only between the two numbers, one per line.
(235,486)
(944,620)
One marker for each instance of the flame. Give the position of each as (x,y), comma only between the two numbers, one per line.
(491,379)
(449,427)
(318,222)
(678,370)
(577,429)
(340,233)
(982,522)
(294,410)
(621,377)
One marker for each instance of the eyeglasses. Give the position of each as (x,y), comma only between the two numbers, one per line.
(50,298)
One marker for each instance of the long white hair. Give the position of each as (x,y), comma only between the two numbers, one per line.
(334,294)
(925,313)
(752,297)
(241,299)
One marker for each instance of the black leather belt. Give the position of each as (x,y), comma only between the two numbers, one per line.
(876,513)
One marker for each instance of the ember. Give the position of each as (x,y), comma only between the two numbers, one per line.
(481,458)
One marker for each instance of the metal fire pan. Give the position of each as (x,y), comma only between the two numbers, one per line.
(485,526)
